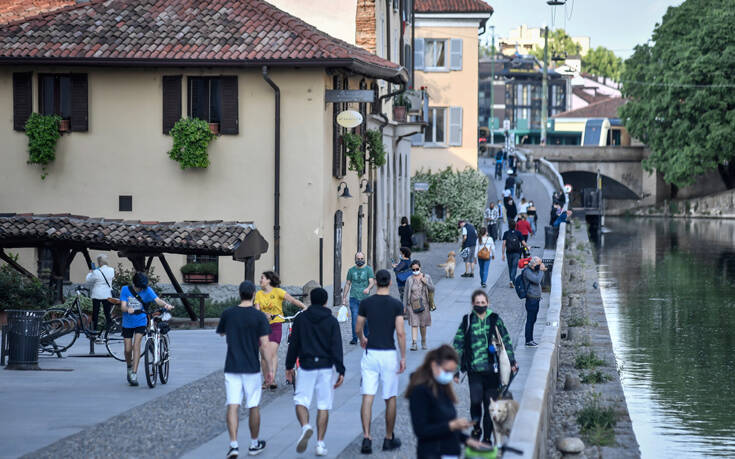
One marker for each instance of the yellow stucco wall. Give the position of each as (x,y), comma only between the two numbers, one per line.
(125,153)
(452,88)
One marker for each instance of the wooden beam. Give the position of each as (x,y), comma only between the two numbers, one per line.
(177,287)
(250,269)
(87,258)
(148,264)
(14,264)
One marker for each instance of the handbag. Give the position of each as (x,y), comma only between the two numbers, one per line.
(483,253)
(420,309)
(114,293)
(432,305)
(503,360)
(465,253)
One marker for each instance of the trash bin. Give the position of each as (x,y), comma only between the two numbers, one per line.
(546,283)
(24,335)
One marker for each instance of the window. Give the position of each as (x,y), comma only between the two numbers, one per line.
(435,54)
(437,126)
(437,213)
(202,259)
(212,99)
(55,95)
(64,95)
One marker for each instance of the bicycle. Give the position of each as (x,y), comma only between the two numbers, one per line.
(289,320)
(156,348)
(61,326)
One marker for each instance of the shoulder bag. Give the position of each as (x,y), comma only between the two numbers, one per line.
(484,252)
(114,293)
(503,360)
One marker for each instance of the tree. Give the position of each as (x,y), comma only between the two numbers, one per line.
(560,44)
(681,91)
(603,63)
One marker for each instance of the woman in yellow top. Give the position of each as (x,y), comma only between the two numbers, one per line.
(270,300)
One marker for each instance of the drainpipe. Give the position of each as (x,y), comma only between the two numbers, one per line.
(277,177)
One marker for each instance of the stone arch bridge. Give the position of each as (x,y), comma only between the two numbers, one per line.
(624,182)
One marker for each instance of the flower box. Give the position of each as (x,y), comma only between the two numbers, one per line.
(64,125)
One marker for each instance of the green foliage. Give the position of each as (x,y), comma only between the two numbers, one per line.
(597,421)
(587,360)
(418,223)
(355,152)
(191,139)
(462,195)
(212,309)
(42,132)
(124,276)
(560,44)
(682,104)
(401,100)
(578,321)
(200,268)
(375,147)
(19,292)
(594,377)
(603,63)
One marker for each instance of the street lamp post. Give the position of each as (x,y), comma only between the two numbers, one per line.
(545,88)
(492,88)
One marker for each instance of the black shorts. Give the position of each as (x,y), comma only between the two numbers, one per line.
(128,332)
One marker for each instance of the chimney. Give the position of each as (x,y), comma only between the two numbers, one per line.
(365,25)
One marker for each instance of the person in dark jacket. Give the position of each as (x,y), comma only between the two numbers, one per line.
(433,415)
(405,232)
(533,275)
(317,343)
(403,270)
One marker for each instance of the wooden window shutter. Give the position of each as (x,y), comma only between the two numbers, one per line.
(455,54)
(171,101)
(336,138)
(79,102)
(229,124)
(22,99)
(455,126)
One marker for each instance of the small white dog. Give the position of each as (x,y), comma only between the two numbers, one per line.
(502,413)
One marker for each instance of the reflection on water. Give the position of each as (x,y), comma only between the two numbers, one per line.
(669,294)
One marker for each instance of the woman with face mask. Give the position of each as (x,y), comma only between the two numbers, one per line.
(416,303)
(433,415)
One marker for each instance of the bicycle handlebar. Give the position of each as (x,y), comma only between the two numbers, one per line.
(286,318)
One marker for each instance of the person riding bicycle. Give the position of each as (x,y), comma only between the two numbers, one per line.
(135,302)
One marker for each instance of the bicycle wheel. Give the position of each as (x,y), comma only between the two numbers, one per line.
(48,331)
(150,364)
(62,330)
(163,367)
(114,341)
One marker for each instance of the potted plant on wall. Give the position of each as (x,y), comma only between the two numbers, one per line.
(214,128)
(42,132)
(200,273)
(401,106)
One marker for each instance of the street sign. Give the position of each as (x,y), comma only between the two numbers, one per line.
(349,119)
(506,125)
(421,186)
(349,95)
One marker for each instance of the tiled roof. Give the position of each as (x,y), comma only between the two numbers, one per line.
(182,32)
(13,10)
(452,6)
(581,92)
(191,237)
(607,108)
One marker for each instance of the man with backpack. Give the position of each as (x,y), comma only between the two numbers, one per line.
(533,275)
(480,360)
(469,241)
(513,244)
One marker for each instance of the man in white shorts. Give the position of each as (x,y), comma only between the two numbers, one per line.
(246,328)
(380,362)
(316,341)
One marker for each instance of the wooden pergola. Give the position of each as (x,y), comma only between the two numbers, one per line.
(141,242)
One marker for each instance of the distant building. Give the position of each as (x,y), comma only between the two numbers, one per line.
(14,10)
(517,98)
(524,39)
(597,124)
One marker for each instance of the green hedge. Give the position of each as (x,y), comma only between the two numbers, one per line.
(462,194)
(19,292)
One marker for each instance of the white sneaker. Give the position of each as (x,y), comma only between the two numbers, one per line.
(321,449)
(306,432)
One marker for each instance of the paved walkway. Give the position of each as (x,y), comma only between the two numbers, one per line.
(78,410)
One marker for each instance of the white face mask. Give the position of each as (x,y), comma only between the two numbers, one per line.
(444,377)
(416,273)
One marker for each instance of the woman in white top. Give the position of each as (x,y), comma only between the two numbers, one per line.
(485,252)
(100,281)
(524,206)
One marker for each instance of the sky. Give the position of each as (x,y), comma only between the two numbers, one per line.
(615,24)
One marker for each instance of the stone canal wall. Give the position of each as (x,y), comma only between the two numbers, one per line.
(719,205)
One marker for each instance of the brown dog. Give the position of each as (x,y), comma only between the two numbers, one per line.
(449,265)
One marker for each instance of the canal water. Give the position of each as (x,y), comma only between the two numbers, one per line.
(668,287)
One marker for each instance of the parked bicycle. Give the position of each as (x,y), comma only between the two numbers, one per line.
(61,327)
(156,348)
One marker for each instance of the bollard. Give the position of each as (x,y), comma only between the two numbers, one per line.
(549,239)
(24,336)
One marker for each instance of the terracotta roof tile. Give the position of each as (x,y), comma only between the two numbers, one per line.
(607,108)
(452,6)
(219,30)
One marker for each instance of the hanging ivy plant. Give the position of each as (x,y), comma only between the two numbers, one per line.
(374,141)
(191,139)
(355,152)
(42,132)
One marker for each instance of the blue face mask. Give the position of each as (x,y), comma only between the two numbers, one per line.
(444,378)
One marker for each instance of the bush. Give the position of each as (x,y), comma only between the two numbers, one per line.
(418,223)
(587,361)
(200,268)
(124,277)
(19,292)
(42,132)
(462,195)
(212,309)
(191,139)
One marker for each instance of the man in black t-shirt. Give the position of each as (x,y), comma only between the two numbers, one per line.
(383,315)
(513,244)
(245,328)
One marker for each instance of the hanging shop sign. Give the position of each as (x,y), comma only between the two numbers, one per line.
(349,119)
